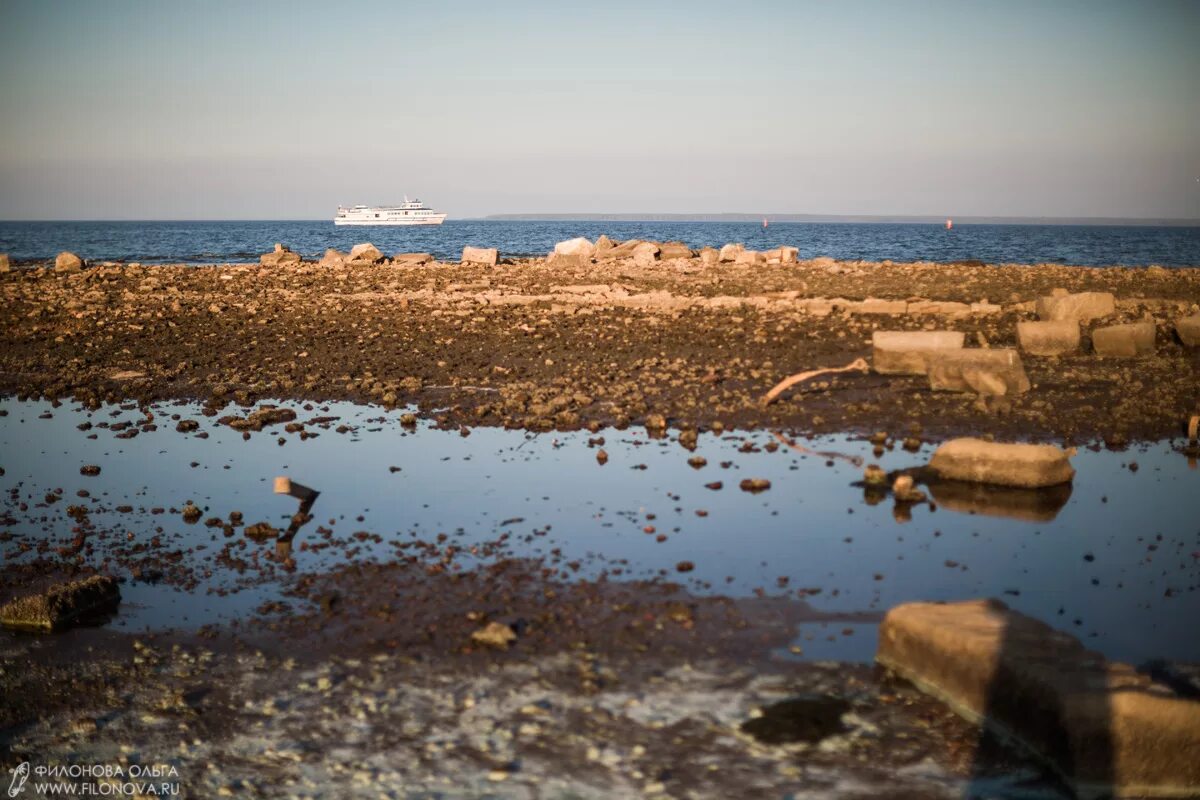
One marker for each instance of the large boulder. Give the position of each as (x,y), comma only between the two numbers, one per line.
(1029,466)
(365,253)
(67,262)
(4,265)
(579,247)
(1048,337)
(990,372)
(1080,307)
(709,256)
(1134,339)
(645,254)
(1188,330)
(674,250)
(729,252)
(750,257)
(480,255)
(603,245)
(1109,730)
(278,257)
(333,258)
(907,352)
(572,253)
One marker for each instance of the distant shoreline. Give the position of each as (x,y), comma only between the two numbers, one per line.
(845,218)
(725,217)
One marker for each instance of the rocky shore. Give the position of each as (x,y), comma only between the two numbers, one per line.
(607,333)
(467,670)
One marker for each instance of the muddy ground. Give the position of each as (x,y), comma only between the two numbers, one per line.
(609,690)
(540,346)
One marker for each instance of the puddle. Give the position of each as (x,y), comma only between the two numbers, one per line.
(1114,560)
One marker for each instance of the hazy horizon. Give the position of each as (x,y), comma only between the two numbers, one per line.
(141,110)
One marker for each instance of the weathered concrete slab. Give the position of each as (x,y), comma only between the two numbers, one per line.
(279,257)
(729,252)
(1109,730)
(645,253)
(412,259)
(1080,307)
(1134,339)
(1048,337)
(1029,466)
(480,255)
(874,305)
(942,307)
(670,250)
(364,253)
(1188,329)
(63,605)
(996,371)
(68,262)
(907,352)
(333,258)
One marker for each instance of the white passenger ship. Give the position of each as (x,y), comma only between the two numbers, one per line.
(407,213)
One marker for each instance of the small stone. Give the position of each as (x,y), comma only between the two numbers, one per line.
(495,634)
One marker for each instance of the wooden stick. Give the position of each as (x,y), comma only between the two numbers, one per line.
(781,387)
(799,448)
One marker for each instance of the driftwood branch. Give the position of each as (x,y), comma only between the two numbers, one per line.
(859,364)
(799,448)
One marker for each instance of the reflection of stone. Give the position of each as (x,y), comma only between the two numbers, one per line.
(1032,505)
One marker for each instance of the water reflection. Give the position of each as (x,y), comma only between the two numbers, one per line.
(1112,559)
(1028,505)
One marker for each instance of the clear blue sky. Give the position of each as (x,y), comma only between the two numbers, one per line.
(162,109)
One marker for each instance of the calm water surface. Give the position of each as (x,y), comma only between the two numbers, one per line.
(220,242)
(1114,560)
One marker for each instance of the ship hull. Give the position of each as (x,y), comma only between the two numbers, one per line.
(431,220)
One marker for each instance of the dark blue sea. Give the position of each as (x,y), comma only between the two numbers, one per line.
(241,241)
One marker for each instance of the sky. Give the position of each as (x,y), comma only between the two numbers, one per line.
(125,109)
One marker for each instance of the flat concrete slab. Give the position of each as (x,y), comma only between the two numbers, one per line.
(1126,341)
(63,605)
(1080,307)
(907,352)
(996,371)
(1188,329)
(1026,466)
(1107,729)
(1049,338)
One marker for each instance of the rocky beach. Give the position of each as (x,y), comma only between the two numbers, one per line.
(663,336)
(432,655)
